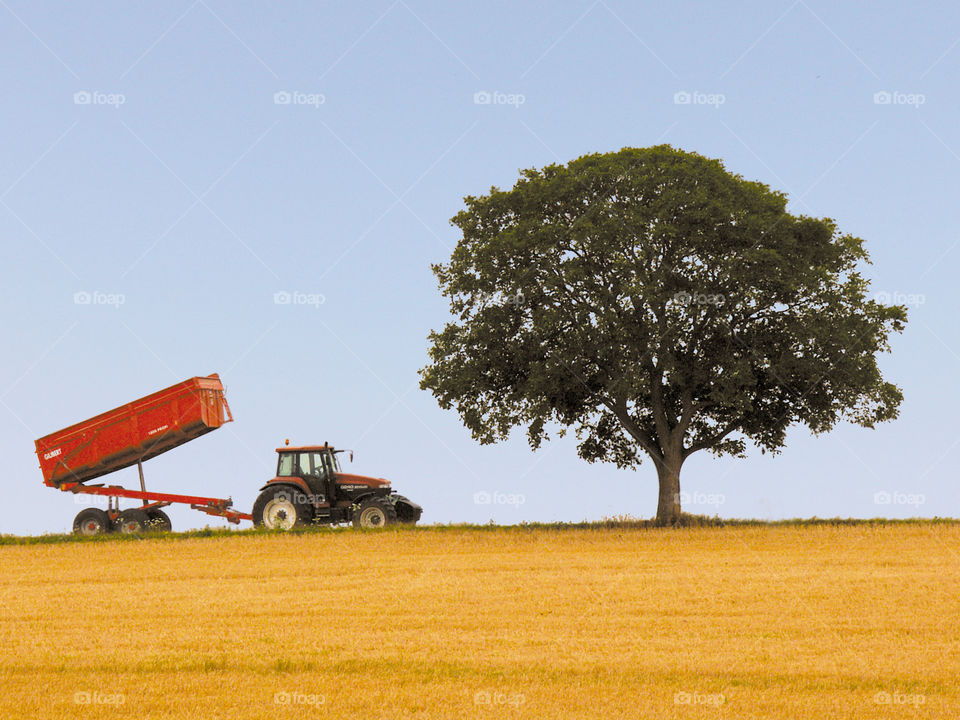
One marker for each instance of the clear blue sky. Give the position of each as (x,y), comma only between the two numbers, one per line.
(176,182)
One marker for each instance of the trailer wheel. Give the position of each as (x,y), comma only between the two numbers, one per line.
(92,521)
(132,521)
(282,507)
(375,512)
(158,520)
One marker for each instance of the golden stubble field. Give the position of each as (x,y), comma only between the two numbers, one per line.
(742,622)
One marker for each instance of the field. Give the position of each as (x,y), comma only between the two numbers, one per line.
(804,621)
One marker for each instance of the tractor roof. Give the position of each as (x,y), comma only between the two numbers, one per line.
(307,448)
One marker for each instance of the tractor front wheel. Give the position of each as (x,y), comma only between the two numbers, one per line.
(375,512)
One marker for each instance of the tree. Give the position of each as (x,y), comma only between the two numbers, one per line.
(659,305)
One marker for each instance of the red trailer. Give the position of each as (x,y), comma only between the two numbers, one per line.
(126,436)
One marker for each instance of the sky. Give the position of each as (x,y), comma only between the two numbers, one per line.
(174,172)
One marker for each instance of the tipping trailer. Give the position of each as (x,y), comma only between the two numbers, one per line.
(127,436)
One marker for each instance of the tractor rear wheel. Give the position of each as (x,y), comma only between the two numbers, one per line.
(132,521)
(158,520)
(375,512)
(92,521)
(281,508)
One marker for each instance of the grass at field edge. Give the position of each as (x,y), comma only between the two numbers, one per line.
(688,521)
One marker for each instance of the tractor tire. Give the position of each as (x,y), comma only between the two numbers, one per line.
(282,507)
(158,520)
(92,521)
(132,521)
(375,512)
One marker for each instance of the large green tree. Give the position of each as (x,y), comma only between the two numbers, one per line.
(659,305)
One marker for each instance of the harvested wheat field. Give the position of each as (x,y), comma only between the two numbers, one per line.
(807,621)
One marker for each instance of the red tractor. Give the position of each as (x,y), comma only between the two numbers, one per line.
(311,487)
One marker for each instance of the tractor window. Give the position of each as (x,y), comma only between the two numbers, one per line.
(285,465)
(318,468)
(303,465)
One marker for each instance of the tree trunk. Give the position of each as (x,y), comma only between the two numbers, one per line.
(668,503)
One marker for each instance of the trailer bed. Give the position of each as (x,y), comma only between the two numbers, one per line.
(132,433)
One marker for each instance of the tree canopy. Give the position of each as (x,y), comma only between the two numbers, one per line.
(658,305)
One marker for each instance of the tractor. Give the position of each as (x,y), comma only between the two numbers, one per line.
(311,488)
